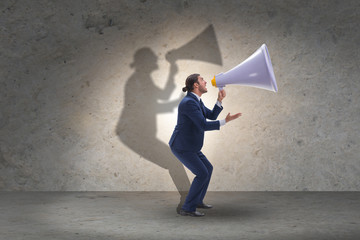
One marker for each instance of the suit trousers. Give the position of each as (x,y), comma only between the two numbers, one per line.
(200,166)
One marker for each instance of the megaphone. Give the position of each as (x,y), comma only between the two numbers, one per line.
(255,71)
(204,47)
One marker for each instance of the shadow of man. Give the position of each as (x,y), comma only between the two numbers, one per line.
(137,124)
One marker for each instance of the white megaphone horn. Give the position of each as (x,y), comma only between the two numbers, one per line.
(255,71)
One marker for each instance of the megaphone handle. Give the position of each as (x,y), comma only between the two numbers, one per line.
(221,88)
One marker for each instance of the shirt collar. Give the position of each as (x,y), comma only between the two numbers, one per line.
(198,98)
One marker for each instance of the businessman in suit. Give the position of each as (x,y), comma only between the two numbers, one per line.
(188,137)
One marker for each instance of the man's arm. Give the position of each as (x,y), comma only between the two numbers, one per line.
(193,111)
(221,96)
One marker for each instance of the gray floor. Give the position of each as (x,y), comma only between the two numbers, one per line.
(152,215)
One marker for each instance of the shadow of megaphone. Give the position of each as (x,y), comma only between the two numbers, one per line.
(203,47)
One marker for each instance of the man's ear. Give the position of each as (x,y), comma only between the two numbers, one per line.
(197,85)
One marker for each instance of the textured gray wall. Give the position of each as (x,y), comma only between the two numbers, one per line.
(88,100)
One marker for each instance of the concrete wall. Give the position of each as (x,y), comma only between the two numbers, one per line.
(88,100)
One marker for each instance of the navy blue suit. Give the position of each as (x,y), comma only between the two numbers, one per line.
(186,143)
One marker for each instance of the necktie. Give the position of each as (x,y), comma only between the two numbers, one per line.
(202,107)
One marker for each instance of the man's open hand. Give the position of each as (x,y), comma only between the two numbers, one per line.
(232,117)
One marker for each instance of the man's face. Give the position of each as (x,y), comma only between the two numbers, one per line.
(202,84)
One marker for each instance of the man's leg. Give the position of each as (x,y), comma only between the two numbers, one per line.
(209,167)
(195,164)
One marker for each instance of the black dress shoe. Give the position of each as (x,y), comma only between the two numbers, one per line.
(192,214)
(205,206)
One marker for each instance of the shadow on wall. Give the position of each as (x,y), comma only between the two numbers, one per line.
(137,124)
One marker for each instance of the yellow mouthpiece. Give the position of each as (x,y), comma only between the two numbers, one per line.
(213,82)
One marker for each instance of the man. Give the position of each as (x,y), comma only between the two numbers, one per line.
(187,140)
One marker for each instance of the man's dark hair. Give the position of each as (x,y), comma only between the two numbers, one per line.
(189,83)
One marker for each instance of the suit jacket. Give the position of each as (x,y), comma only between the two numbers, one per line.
(191,124)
